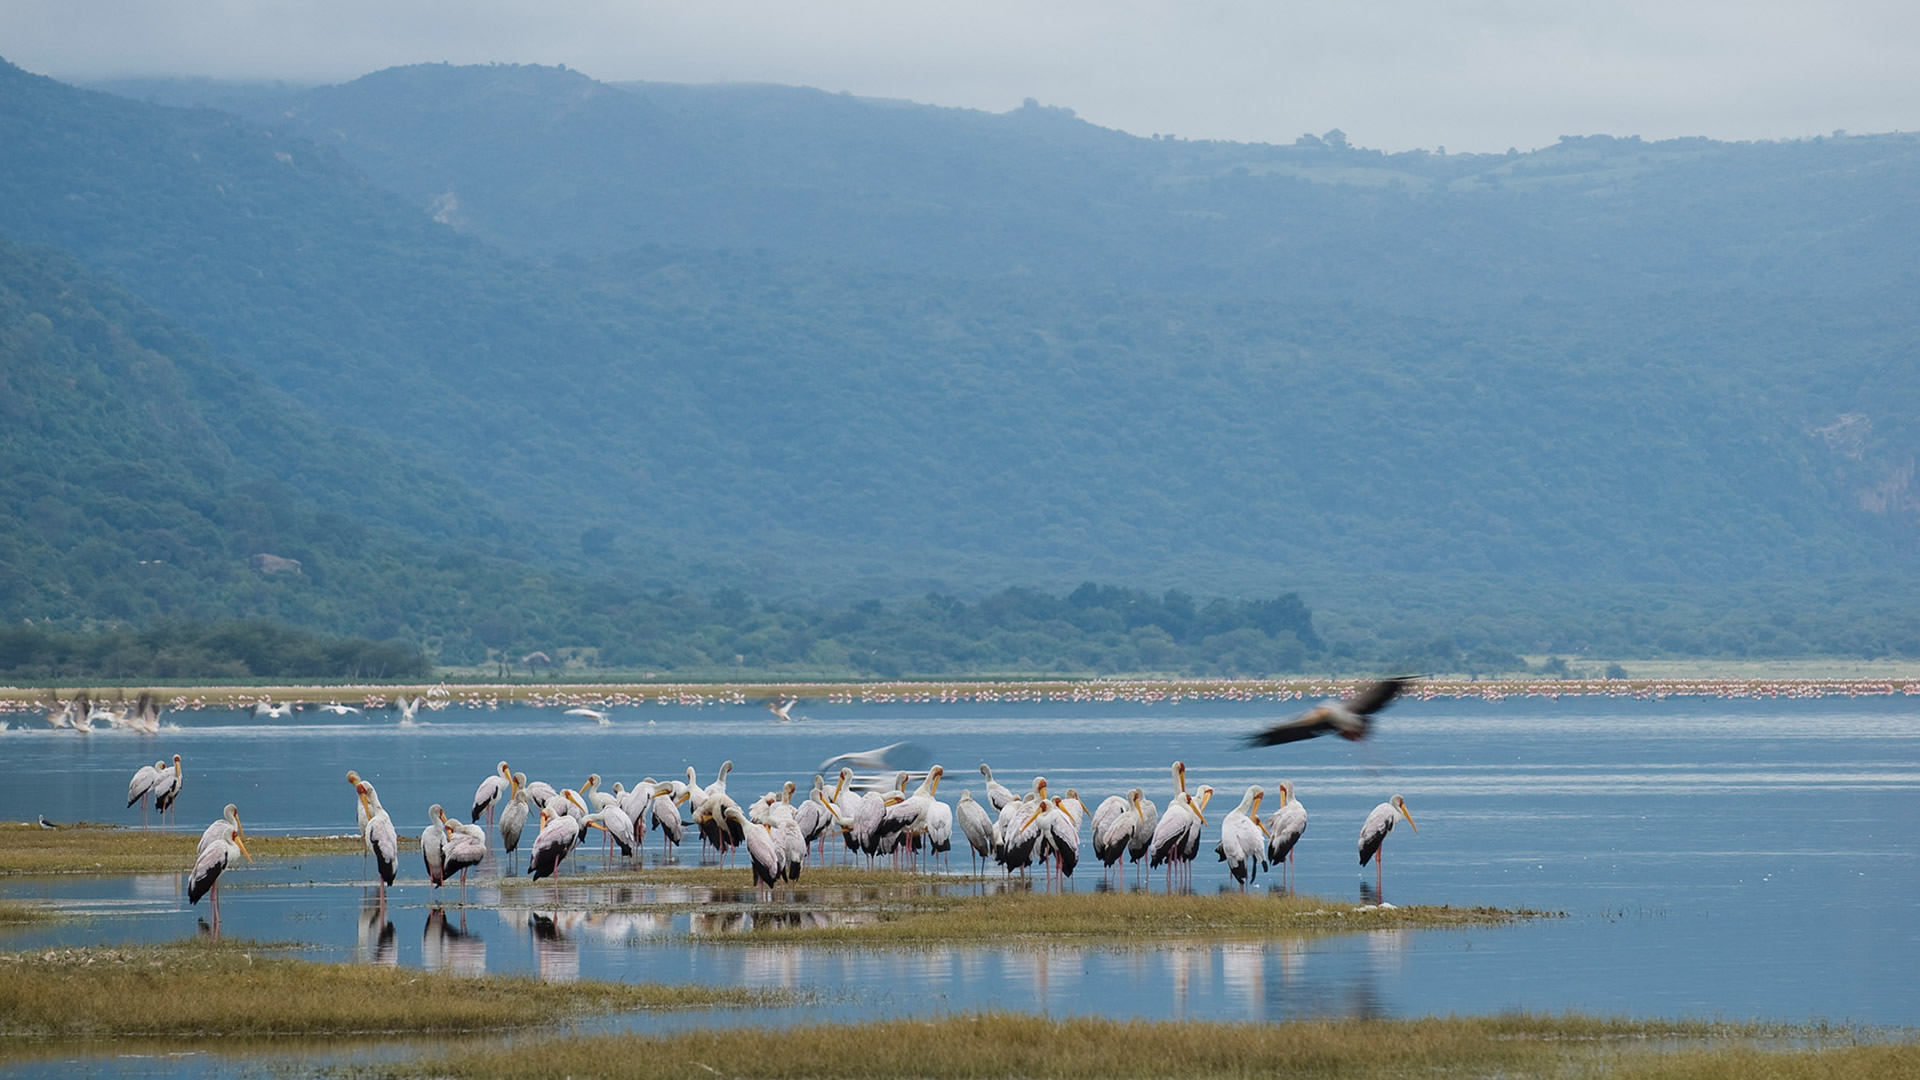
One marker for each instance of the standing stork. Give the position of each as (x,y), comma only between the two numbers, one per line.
(975,825)
(463,847)
(166,788)
(998,794)
(1243,838)
(382,841)
(1373,835)
(1285,827)
(140,788)
(514,817)
(218,846)
(490,790)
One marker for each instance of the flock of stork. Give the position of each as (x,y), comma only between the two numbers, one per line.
(886,820)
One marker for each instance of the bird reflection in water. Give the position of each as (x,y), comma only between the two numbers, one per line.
(1243,969)
(450,948)
(556,943)
(378,942)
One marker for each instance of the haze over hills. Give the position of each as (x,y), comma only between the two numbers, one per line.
(817,345)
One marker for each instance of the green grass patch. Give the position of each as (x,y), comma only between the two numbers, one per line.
(1121,919)
(1004,1045)
(110,849)
(203,989)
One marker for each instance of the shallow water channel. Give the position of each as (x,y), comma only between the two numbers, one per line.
(1714,858)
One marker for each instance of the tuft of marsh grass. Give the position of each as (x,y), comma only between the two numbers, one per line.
(109,849)
(203,989)
(14,913)
(1010,1045)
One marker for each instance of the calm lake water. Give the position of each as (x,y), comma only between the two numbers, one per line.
(1714,858)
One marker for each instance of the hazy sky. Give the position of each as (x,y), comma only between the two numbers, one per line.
(1468,75)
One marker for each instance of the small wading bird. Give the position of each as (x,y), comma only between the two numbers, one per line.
(218,846)
(1350,719)
(1373,834)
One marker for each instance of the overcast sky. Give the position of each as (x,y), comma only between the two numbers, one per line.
(1395,74)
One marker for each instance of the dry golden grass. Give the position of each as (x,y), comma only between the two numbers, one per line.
(197,990)
(110,849)
(1123,918)
(1001,1045)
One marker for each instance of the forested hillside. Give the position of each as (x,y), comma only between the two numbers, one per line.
(825,349)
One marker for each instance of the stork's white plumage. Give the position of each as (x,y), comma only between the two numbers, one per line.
(491,789)
(431,842)
(220,844)
(1373,832)
(1285,826)
(998,794)
(1243,838)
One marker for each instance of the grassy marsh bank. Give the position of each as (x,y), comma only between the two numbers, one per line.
(1125,918)
(110,849)
(885,908)
(204,989)
(1003,1045)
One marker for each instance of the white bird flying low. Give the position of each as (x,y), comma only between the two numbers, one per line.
(1350,719)
(595,715)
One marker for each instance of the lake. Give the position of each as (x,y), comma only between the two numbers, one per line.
(1732,858)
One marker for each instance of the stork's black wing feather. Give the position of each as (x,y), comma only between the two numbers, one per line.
(1305,727)
(1371,699)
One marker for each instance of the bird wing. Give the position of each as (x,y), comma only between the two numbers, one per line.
(1314,722)
(1376,696)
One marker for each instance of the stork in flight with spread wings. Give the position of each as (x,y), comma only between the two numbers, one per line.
(1349,718)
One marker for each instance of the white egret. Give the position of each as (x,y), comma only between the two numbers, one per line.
(1373,834)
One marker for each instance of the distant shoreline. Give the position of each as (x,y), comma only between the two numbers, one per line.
(1904,682)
